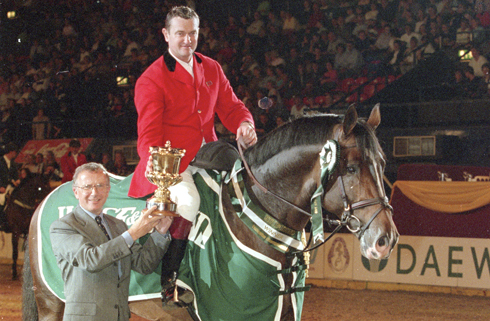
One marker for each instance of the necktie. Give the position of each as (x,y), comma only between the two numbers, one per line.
(98,219)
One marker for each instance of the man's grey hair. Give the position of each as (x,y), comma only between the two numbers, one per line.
(183,12)
(89,167)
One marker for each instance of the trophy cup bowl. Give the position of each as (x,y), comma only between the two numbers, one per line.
(166,164)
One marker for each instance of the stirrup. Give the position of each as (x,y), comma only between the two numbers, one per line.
(175,297)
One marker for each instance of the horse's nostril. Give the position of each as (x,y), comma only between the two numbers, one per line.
(382,241)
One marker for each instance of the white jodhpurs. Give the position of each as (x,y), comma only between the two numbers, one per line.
(186,196)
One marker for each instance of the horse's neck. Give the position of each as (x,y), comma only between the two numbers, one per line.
(291,175)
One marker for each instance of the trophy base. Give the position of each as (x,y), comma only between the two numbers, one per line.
(163,208)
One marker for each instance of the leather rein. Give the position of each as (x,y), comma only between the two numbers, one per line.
(348,219)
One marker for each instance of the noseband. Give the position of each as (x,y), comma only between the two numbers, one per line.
(352,222)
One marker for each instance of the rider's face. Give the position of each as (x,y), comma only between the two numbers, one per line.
(182,37)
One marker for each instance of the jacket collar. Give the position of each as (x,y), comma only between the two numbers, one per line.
(170,61)
(181,74)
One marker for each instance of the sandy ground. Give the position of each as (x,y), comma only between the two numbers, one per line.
(328,304)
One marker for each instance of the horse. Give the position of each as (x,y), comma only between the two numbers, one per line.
(328,161)
(19,209)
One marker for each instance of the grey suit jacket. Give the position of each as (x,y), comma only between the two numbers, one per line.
(89,265)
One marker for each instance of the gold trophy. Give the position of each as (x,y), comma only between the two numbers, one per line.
(166,163)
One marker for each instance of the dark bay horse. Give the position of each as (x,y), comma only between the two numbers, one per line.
(19,209)
(285,174)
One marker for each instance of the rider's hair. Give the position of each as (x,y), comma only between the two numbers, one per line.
(183,12)
(75,143)
(89,167)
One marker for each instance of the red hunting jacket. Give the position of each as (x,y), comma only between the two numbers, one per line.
(68,165)
(172,106)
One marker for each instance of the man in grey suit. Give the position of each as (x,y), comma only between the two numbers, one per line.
(96,257)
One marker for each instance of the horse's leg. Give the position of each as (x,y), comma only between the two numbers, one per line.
(49,307)
(15,254)
(29,308)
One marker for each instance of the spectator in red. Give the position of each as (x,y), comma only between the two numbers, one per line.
(330,77)
(71,160)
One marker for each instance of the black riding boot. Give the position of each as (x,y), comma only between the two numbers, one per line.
(170,267)
(4,226)
(171,262)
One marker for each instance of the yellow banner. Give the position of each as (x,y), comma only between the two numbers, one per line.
(446,197)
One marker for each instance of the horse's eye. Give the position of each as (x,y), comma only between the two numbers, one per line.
(351,169)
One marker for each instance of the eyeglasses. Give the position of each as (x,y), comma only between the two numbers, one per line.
(90,188)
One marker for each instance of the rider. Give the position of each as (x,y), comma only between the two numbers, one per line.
(176,99)
(9,179)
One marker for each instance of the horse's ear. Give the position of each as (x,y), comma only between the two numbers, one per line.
(350,120)
(375,117)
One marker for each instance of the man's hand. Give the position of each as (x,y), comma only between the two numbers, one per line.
(146,222)
(246,131)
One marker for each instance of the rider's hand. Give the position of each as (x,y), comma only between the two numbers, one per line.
(246,131)
(164,224)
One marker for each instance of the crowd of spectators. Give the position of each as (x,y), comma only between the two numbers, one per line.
(74,75)
(51,170)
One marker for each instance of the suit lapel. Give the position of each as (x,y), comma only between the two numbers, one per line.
(180,74)
(94,232)
(198,71)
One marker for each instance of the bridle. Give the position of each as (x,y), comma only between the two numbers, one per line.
(348,219)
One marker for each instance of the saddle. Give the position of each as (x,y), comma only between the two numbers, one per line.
(218,155)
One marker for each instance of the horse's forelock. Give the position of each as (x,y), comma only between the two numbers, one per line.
(309,130)
(367,142)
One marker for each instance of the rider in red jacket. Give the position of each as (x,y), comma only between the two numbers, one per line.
(177,98)
(71,160)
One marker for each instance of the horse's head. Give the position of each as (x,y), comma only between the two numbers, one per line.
(288,163)
(356,191)
(36,189)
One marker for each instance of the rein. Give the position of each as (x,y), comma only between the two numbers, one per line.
(23,205)
(263,188)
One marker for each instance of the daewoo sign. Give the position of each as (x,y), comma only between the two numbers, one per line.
(441,261)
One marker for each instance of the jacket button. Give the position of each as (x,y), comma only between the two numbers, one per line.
(115,307)
(199,111)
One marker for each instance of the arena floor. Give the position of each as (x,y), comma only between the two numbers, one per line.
(328,304)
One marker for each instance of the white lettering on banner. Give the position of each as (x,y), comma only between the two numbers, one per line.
(440,261)
(125,214)
(63,210)
(201,230)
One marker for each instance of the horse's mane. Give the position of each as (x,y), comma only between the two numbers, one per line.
(310,130)
(28,184)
